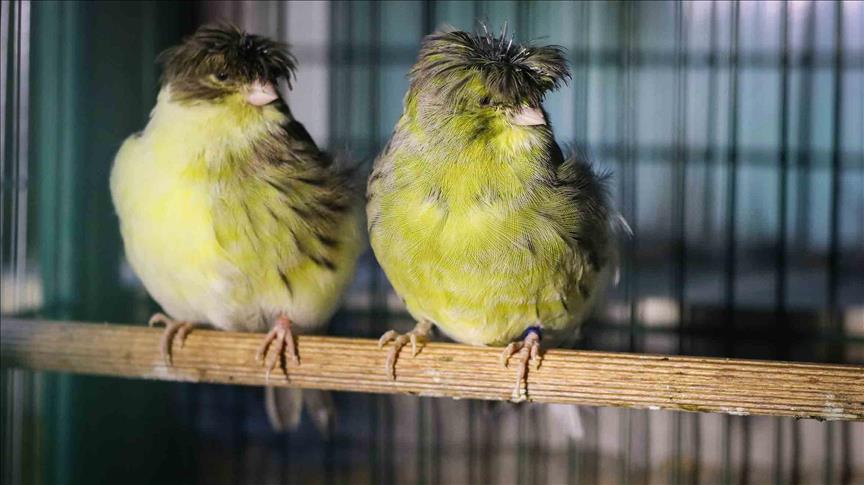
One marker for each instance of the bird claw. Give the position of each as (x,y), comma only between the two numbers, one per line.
(528,350)
(172,327)
(418,334)
(284,341)
(388,336)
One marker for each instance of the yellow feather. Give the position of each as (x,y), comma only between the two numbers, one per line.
(163,193)
(448,234)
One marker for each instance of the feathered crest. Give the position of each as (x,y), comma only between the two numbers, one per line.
(224,49)
(514,73)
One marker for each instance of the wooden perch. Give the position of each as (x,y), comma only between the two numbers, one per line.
(740,387)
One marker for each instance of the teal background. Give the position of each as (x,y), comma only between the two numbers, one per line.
(93,83)
(734,131)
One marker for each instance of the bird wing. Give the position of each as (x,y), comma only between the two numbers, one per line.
(286,216)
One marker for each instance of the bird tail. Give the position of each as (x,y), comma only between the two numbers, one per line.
(567,419)
(284,406)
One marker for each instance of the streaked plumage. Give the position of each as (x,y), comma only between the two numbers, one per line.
(230,213)
(479,223)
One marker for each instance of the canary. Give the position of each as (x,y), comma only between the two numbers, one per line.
(230,214)
(482,226)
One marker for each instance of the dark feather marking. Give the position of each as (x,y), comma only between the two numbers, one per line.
(315,182)
(276,185)
(296,131)
(529,244)
(324,262)
(374,221)
(272,213)
(434,195)
(375,176)
(300,212)
(589,194)
(327,241)
(301,247)
(285,281)
(333,206)
(250,229)
(319,260)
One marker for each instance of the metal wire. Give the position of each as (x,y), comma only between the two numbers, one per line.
(664,94)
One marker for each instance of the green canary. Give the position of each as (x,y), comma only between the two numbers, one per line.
(230,214)
(481,225)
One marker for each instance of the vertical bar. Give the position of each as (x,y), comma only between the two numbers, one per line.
(13,393)
(626,155)
(478,12)
(837,331)
(522,475)
(732,187)
(710,128)
(238,436)
(629,25)
(422,432)
(6,44)
(679,214)
(7,36)
(802,226)
(523,20)
(744,477)
(783,182)
(581,59)
(697,449)
(782,244)
(731,208)
(337,63)
(726,477)
(576,453)
(472,442)
(710,154)
(679,266)
(836,158)
(22,159)
(428,16)
(847,466)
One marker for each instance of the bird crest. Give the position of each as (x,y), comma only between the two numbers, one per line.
(512,73)
(219,54)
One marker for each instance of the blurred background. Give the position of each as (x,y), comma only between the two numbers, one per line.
(735,132)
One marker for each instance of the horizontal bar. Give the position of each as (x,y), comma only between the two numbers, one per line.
(732,386)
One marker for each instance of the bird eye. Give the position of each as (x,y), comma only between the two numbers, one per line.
(485,101)
(222,76)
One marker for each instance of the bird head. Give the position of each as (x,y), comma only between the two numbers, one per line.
(485,76)
(220,61)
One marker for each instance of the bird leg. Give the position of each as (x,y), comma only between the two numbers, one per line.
(172,327)
(419,333)
(528,349)
(281,334)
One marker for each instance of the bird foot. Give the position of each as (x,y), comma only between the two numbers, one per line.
(419,333)
(284,340)
(529,351)
(172,327)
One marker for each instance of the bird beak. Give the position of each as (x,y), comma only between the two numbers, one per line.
(528,116)
(261,93)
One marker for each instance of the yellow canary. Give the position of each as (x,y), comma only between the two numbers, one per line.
(481,225)
(230,214)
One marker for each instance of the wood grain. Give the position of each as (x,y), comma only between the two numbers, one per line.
(740,387)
